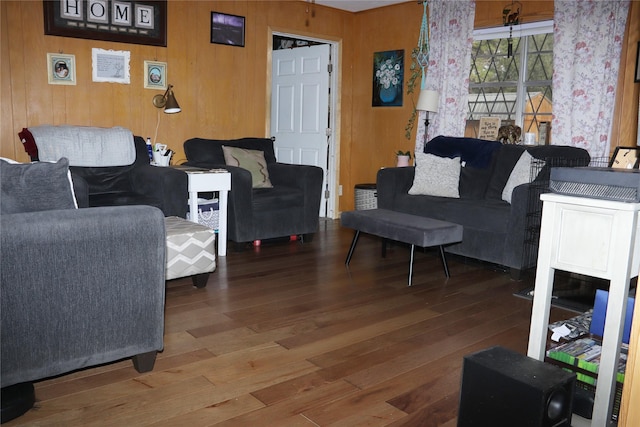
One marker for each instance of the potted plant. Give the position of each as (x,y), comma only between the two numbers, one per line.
(403,158)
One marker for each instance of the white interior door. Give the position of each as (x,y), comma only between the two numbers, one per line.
(300,107)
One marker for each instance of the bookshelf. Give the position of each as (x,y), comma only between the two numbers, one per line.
(597,238)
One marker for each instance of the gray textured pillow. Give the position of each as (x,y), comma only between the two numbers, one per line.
(436,176)
(252,160)
(521,174)
(38,186)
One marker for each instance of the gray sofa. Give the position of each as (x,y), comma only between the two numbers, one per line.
(79,287)
(495,230)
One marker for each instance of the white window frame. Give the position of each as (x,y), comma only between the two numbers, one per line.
(517,31)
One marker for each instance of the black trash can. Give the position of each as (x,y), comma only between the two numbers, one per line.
(366,196)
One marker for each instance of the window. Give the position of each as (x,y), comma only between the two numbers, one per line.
(518,89)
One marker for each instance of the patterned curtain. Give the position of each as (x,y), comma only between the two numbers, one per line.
(451,23)
(587,40)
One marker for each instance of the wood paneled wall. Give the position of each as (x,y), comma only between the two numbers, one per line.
(223,90)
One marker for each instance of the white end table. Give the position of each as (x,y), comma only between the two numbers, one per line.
(207,180)
(598,238)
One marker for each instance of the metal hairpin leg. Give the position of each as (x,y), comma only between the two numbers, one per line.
(411,264)
(444,261)
(353,247)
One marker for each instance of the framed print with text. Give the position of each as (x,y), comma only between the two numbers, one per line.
(61,69)
(155,75)
(110,66)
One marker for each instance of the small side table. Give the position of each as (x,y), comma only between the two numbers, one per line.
(206,180)
(599,238)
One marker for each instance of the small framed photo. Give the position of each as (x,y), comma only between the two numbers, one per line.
(61,69)
(227,29)
(155,75)
(110,66)
(625,158)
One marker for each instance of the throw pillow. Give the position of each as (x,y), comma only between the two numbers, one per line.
(521,174)
(252,160)
(436,176)
(38,186)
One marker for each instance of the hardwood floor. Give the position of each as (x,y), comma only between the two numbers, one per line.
(285,335)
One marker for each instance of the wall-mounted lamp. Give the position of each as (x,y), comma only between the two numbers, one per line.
(168,101)
(428,102)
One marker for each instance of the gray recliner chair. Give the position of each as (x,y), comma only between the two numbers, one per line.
(79,287)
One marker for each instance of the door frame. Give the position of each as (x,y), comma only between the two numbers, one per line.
(333,167)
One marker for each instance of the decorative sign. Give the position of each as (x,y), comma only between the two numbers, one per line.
(139,22)
(489,128)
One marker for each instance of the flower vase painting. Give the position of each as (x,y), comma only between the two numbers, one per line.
(388,71)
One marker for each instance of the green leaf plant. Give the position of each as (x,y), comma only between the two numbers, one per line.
(416,72)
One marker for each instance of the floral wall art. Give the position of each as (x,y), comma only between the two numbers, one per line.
(388,73)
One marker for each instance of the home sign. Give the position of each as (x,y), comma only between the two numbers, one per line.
(138,22)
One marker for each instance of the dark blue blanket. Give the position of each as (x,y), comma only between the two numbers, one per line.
(476,153)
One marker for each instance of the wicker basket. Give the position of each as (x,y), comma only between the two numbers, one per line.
(366,196)
(208,213)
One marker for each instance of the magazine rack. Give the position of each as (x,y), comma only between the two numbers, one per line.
(569,242)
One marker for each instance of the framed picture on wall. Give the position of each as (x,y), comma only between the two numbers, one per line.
(133,21)
(625,158)
(388,71)
(155,75)
(110,66)
(227,29)
(61,69)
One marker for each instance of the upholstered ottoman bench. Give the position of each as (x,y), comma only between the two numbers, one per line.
(190,250)
(402,227)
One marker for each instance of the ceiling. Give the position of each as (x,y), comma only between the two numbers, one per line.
(357,5)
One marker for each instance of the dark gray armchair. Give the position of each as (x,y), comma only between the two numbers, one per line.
(290,207)
(139,183)
(78,287)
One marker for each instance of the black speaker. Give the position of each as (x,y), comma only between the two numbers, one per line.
(503,388)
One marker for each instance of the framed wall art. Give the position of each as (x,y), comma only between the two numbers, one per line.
(110,66)
(133,21)
(388,71)
(61,69)
(227,29)
(625,158)
(155,75)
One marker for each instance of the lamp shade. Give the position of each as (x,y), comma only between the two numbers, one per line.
(428,101)
(167,101)
(171,105)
